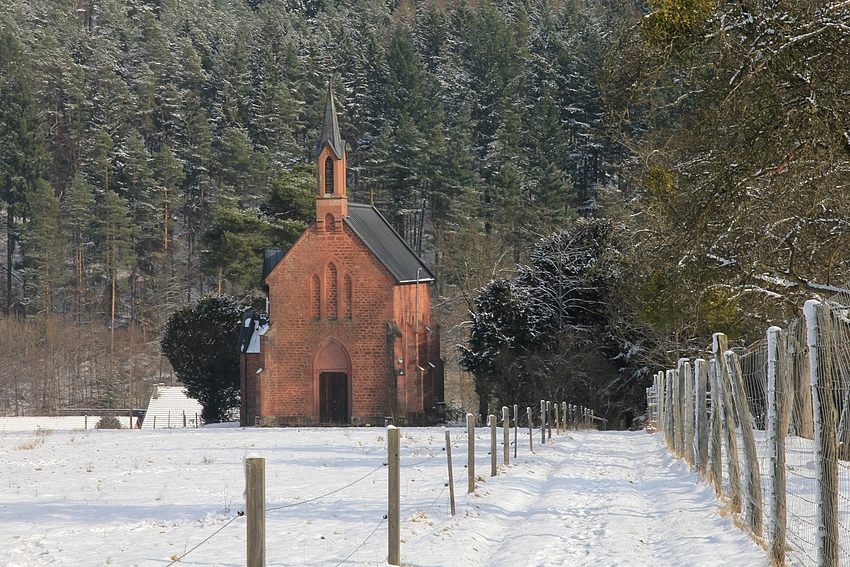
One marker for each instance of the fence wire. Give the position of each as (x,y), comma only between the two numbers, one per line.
(776,436)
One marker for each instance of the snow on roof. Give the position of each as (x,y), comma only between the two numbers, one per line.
(170,407)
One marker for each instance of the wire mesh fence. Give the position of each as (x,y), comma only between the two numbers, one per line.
(769,426)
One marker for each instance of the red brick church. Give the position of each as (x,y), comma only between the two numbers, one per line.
(348,337)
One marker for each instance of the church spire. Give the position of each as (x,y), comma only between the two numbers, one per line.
(331,200)
(330,128)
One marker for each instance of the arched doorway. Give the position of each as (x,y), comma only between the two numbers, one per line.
(332,383)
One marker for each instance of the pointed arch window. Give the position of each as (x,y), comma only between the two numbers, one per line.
(346,294)
(315,297)
(329,176)
(331,287)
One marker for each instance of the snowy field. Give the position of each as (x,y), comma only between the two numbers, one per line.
(589,498)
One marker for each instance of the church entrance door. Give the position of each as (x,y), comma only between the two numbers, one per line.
(333,397)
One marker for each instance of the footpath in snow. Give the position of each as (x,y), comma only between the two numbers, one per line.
(589,498)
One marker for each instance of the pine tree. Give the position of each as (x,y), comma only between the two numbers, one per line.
(115,238)
(42,247)
(79,215)
(22,157)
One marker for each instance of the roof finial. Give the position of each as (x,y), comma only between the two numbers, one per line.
(330,127)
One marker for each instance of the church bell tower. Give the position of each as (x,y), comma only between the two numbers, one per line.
(331,200)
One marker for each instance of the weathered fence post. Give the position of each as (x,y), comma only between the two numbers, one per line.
(689,412)
(802,409)
(659,399)
(701,423)
(530,429)
(715,460)
(506,434)
(451,474)
(470,459)
(393,496)
(564,416)
(542,422)
(719,345)
(751,462)
(491,421)
(777,425)
(670,412)
(255,510)
(678,411)
(516,429)
(557,419)
(820,373)
(549,420)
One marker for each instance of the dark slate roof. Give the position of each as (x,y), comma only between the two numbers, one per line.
(330,128)
(385,243)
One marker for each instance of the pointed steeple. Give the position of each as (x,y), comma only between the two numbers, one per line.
(331,200)
(330,128)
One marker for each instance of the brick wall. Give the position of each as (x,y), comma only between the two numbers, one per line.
(290,379)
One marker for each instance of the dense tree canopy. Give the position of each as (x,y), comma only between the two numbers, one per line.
(548,333)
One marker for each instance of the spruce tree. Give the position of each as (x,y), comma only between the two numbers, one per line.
(22,157)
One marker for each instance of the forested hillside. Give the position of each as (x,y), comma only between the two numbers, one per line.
(150,149)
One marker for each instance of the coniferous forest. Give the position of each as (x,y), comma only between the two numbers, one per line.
(595,183)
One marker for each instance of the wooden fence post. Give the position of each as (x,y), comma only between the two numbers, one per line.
(719,345)
(542,422)
(820,373)
(255,511)
(680,408)
(701,422)
(491,421)
(670,409)
(516,429)
(777,425)
(451,475)
(549,420)
(393,496)
(715,460)
(564,416)
(659,399)
(752,473)
(470,459)
(557,418)
(506,434)
(801,388)
(530,429)
(690,413)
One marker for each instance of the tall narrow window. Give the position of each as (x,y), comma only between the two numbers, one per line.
(331,286)
(329,176)
(346,294)
(315,297)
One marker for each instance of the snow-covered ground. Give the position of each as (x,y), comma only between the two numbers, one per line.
(146,497)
